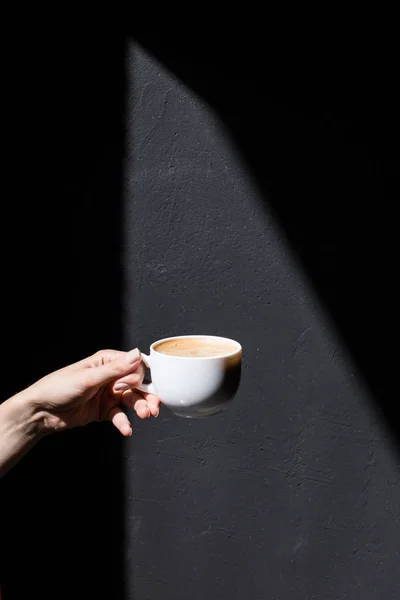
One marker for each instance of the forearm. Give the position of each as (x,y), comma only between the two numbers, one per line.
(21,426)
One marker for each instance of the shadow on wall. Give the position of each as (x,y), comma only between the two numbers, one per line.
(318,127)
(61,508)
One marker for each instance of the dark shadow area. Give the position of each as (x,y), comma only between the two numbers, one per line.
(314,112)
(61,516)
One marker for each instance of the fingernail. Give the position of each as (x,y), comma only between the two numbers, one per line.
(133,356)
(119,387)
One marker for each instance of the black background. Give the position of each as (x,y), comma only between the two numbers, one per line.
(166,180)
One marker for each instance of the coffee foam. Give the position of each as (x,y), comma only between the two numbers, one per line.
(196,347)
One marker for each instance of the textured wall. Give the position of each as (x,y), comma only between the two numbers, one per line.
(293,492)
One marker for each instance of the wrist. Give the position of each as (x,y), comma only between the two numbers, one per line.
(23,417)
(21,426)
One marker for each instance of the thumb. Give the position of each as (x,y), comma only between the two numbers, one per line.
(114,369)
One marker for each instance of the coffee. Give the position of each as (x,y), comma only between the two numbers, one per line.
(195,376)
(196,347)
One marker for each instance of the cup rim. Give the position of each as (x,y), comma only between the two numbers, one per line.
(237,350)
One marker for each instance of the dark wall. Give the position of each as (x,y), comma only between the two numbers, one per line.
(61,508)
(253,196)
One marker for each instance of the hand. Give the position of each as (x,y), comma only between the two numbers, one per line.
(90,390)
(93,389)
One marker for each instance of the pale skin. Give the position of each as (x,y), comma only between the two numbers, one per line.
(93,389)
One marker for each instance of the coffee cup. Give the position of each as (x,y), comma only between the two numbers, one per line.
(194,375)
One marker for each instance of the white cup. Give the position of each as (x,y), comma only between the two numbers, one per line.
(194,386)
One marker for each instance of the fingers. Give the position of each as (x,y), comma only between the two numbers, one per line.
(100,358)
(130,381)
(119,419)
(107,370)
(145,405)
(153,404)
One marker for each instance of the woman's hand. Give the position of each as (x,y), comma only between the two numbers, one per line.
(93,389)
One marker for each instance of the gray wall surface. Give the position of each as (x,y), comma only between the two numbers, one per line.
(294,492)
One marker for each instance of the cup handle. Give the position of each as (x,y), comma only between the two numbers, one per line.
(146,387)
